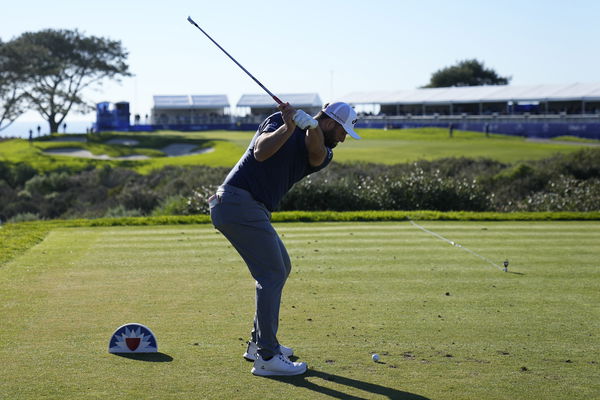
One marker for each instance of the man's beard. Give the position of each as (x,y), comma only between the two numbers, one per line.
(329,138)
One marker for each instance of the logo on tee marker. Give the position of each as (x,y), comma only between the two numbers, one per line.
(132,338)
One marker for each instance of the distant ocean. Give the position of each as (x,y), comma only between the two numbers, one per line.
(20,129)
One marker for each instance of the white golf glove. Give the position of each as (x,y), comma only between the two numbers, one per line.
(305,121)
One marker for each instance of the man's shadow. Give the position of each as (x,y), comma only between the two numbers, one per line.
(373,388)
(148,357)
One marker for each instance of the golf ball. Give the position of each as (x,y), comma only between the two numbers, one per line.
(375,357)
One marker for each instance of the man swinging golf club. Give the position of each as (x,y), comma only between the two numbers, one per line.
(287,146)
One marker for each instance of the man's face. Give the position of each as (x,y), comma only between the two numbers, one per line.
(334,135)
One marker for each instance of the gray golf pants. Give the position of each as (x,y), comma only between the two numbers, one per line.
(246,223)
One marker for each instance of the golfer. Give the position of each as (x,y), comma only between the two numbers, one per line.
(287,146)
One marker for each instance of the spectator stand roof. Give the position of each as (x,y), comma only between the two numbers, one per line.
(265,101)
(480,94)
(191,102)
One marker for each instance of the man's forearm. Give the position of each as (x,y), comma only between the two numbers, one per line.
(269,143)
(315,145)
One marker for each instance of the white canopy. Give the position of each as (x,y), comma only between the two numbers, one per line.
(480,94)
(193,101)
(265,101)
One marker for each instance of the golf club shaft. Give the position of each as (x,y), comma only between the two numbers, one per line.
(191,21)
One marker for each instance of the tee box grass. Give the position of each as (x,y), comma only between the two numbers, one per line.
(446,324)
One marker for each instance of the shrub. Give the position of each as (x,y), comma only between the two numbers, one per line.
(138,197)
(172,205)
(24,217)
(46,184)
(414,189)
(197,203)
(568,182)
(564,194)
(110,177)
(582,165)
(120,211)
(22,173)
(421,191)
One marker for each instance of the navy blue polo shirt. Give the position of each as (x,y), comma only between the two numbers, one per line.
(268,181)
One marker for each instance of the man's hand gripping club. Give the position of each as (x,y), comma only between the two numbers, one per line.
(305,121)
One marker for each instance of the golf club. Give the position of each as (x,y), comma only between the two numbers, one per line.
(191,21)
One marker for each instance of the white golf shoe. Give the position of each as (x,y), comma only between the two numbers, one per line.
(252,349)
(279,365)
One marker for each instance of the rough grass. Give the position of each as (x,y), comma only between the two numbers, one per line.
(446,324)
(387,147)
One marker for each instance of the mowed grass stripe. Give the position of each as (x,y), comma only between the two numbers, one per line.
(495,243)
(377,237)
(494,248)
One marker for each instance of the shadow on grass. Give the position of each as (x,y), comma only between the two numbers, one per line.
(148,357)
(371,388)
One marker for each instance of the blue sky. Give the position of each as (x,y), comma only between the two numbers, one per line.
(330,47)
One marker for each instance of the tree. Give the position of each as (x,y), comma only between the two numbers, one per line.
(466,73)
(62,64)
(12,84)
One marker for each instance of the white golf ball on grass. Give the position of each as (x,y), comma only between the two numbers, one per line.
(375,357)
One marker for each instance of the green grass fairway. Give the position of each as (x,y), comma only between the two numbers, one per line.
(446,324)
(387,147)
(409,145)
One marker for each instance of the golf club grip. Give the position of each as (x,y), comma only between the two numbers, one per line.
(277,100)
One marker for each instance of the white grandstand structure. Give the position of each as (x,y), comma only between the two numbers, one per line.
(191,109)
(576,98)
(255,107)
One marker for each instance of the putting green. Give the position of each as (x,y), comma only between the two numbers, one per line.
(446,324)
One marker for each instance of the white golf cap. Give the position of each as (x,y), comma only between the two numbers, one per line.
(343,114)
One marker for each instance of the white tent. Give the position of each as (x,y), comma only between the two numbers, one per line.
(190,109)
(480,94)
(265,101)
(191,102)
(263,104)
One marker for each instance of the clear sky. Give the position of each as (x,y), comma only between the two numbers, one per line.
(332,47)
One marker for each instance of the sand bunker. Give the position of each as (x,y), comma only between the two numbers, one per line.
(75,152)
(181,149)
(172,150)
(124,142)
